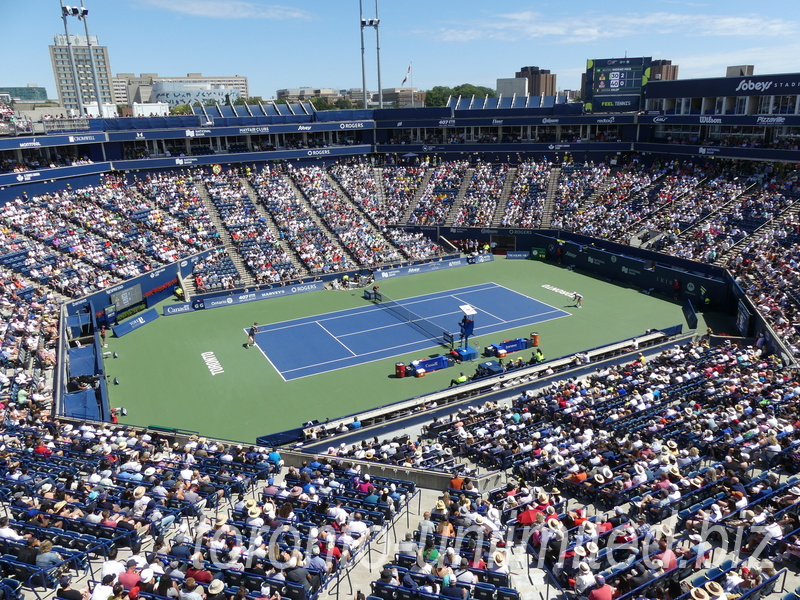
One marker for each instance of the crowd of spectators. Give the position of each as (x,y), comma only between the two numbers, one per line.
(296,223)
(576,184)
(400,185)
(686,428)
(662,448)
(43,218)
(260,248)
(526,197)
(441,191)
(356,233)
(32,162)
(482,196)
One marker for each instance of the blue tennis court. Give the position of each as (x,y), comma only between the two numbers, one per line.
(323,343)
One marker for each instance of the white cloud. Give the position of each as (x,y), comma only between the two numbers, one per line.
(766,60)
(582,28)
(230,9)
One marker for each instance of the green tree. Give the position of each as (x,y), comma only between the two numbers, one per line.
(252,100)
(210,102)
(343,104)
(438,95)
(321,104)
(197,104)
(468,90)
(182,109)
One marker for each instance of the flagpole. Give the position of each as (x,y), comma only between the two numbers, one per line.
(411,68)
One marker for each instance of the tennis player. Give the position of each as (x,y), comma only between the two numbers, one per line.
(251,335)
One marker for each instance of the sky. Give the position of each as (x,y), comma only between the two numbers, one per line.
(316,43)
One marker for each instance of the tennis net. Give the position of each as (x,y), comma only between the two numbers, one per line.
(426,326)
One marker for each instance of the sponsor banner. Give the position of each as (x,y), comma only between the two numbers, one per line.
(42,141)
(582,147)
(732,120)
(48,174)
(140,320)
(244,157)
(433,266)
(197,132)
(753,85)
(516,255)
(606,104)
(178,308)
(243,297)
(721,152)
(693,286)
(509,122)
(538,253)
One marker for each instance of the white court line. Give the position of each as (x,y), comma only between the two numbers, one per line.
(347,312)
(267,357)
(336,338)
(527,319)
(447,314)
(530,297)
(413,344)
(482,310)
(421,298)
(328,362)
(566,314)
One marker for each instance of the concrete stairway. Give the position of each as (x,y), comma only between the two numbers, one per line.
(374,229)
(224,236)
(426,179)
(332,237)
(378,174)
(550,198)
(792,211)
(511,176)
(459,200)
(272,226)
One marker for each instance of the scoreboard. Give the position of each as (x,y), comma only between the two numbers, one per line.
(127,297)
(618,76)
(614,84)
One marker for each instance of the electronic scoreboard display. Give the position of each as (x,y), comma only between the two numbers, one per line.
(127,297)
(615,84)
(619,76)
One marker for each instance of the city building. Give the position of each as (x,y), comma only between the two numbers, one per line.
(663,70)
(400,97)
(571,95)
(306,93)
(29,93)
(541,82)
(739,71)
(130,88)
(176,93)
(512,86)
(62,71)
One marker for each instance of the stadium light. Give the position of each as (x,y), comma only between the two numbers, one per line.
(374,24)
(81,12)
(65,12)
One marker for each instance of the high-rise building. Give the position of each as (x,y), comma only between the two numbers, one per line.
(517,86)
(62,71)
(740,71)
(541,82)
(29,93)
(663,70)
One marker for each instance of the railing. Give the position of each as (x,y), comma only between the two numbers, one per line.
(60,125)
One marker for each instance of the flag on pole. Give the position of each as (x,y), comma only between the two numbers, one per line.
(408,74)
